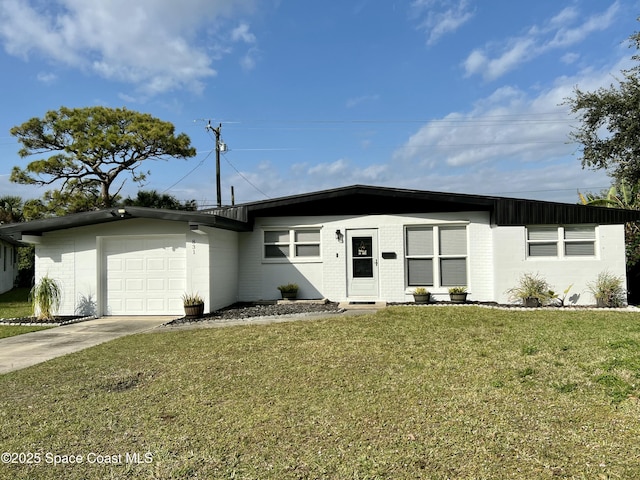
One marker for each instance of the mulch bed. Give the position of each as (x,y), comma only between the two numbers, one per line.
(250,310)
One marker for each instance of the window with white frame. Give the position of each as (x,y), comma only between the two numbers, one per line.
(567,241)
(436,256)
(542,241)
(579,241)
(303,243)
(419,254)
(453,256)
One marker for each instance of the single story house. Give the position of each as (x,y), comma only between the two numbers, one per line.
(8,262)
(354,244)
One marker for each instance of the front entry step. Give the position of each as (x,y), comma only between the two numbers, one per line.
(355,305)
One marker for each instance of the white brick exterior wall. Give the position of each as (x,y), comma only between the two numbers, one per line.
(225,267)
(328,278)
(223,270)
(74,258)
(511,262)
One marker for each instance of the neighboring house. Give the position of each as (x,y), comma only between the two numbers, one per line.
(356,244)
(8,262)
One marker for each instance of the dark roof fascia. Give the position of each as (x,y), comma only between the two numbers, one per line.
(504,211)
(369,190)
(38,227)
(514,212)
(11,240)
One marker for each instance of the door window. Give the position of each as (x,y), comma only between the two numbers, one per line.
(362,248)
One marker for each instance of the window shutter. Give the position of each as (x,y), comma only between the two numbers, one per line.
(307,250)
(419,241)
(276,251)
(542,233)
(420,271)
(579,233)
(579,248)
(543,249)
(453,272)
(453,241)
(307,235)
(279,236)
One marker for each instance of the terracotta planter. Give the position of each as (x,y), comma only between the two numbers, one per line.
(194,311)
(458,297)
(422,298)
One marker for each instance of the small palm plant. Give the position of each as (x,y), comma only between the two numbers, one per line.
(45,297)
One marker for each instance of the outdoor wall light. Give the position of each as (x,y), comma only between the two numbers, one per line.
(339,235)
(121,212)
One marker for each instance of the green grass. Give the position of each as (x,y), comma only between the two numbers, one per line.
(11,330)
(15,304)
(407,393)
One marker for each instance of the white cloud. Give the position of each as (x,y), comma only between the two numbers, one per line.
(509,131)
(157,45)
(493,61)
(441,17)
(47,78)
(338,167)
(242,34)
(352,102)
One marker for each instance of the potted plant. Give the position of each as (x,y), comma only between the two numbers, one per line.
(289,291)
(532,290)
(607,290)
(193,305)
(458,294)
(421,295)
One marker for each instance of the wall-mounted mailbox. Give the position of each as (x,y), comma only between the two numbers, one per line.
(389,255)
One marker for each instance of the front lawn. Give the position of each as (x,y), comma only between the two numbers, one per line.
(407,393)
(15,304)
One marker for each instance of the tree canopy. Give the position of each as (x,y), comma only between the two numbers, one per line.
(151,198)
(91,147)
(610,124)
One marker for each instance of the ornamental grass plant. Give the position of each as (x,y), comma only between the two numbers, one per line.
(45,297)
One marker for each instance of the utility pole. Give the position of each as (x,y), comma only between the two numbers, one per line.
(219,146)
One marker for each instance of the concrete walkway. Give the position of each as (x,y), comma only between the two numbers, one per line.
(22,351)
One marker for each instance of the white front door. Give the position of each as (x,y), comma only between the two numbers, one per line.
(362,264)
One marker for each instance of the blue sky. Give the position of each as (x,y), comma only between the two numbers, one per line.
(445,95)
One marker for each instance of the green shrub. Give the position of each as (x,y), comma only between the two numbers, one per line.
(531,286)
(608,290)
(288,288)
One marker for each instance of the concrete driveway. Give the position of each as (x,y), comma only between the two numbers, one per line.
(29,349)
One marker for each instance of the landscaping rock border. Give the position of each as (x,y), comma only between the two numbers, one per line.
(240,311)
(33,322)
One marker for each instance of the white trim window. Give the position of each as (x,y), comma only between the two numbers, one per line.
(453,256)
(436,256)
(291,244)
(419,256)
(568,241)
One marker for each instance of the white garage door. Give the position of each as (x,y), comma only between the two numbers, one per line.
(145,275)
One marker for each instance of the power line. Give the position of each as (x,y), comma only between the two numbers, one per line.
(189,173)
(245,178)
